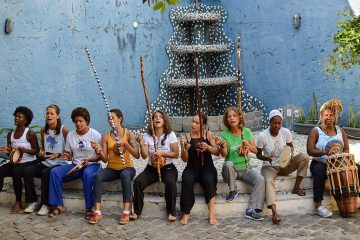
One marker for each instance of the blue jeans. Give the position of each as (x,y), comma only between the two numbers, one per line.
(107,174)
(58,177)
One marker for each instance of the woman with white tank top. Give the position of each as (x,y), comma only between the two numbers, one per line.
(25,140)
(53,137)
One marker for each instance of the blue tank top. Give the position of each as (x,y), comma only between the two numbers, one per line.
(325,142)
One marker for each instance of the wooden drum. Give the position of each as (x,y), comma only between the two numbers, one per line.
(343,174)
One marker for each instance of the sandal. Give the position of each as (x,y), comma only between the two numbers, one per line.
(95,218)
(88,213)
(299,192)
(55,212)
(276,219)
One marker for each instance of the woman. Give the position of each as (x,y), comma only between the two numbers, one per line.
(238,141)
(109,153)
(196,151)
(24,139)
(167,150)
(77,149)
(270,143)
(324,140)
(53,137)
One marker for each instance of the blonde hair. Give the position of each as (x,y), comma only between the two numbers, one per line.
(333,105)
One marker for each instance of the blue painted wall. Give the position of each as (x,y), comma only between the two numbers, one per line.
(43,60)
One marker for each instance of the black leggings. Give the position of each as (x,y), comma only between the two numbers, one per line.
(16,172)
(318,171)
(40,171)
(149,176)
(207,179)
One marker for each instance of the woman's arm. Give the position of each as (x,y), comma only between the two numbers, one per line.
(131,145)
(32,138)
(345,140)
(311,144)
(213,148)
(260,156)
(184,149)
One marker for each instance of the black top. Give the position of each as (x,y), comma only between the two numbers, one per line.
(194,160)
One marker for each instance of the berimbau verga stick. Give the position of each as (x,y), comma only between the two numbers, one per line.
(149,111)
(107,107)
(197,90)
(239,92)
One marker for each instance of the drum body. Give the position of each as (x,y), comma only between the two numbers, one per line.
(343,174)
(285,157)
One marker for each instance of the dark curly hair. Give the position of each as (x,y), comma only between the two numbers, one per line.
(238,112)
(27,113)
(80,112)
(58,124)
(167,125)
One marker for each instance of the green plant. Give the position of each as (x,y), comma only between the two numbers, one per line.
(302,118)
(161,4)
(347,51)
(353,118)
(313,110)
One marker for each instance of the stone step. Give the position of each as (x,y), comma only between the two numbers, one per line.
(154,201)
(283,183)
(154,205)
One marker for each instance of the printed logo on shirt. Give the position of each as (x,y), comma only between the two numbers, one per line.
(81,145)
(51,141)
(335,146)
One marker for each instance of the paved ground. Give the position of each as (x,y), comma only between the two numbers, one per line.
(73,226)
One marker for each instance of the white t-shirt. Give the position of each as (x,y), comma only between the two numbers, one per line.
(80,145)
(170,138)
(272,146)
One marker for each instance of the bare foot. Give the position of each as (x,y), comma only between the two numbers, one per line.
(185,219)
(17,208)
(212,221)
(171,218)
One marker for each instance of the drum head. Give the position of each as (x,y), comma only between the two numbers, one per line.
(285,157)
(15,155)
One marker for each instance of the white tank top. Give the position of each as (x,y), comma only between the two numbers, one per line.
(24,143)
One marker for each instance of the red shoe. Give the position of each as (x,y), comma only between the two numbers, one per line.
(95,218)
(124,219)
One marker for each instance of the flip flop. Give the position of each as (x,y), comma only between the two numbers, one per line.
(299,192)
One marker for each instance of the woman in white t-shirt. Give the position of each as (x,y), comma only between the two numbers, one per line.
(78,149)
(167,150)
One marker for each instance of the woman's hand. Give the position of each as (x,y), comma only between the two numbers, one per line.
(66,156)
(5,150)
(202,146)
(139,138)
(244,148)
(220,142)
(184,143)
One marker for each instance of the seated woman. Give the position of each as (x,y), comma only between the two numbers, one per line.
(323,141)
(270,143)
(199,168)
(53,137)
(238,141)
(25,140)
(77,149)
(168,150)
(115,169)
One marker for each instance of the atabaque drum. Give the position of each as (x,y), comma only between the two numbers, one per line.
(343,174)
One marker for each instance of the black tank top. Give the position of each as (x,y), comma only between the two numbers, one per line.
(194,160)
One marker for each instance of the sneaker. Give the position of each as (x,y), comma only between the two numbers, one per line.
(253,215)
(231,196)
(323,212)
(124,219)
(44,210)
(32,207)
(95,218)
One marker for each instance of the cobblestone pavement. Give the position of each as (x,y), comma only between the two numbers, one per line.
(74,226)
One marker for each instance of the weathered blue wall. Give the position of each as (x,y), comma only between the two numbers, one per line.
(43,60)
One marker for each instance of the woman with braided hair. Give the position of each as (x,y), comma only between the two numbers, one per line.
(325,139)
